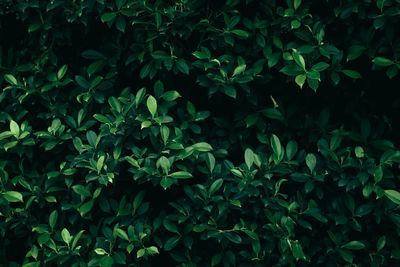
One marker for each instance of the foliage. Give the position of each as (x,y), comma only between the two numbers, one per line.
(199,133)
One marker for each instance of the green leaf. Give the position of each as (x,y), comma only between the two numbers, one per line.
(381,243)
(311,161)
(295,24)
(152,250)
(122,234)
(249,157)
(92,138)
(165,164)
(100,163)
(11,79)
(239,69)
(152,105)
(115,104)
(276,145)
(164,130)
(14,128)
(13,196)
(108,16)
(352,74)
(215,186)
(233,237)
(145,124)
(296,4)
(297,250)
(181,175)
(81,81)
(81,190)
(300,80)
(355,51)
(138,200)
(241,33)
(53,219)
(359,151)
(382,61)
(171,243)
(298,58)
(66,236)
(393,195)
(100,251)
(86,207)
(140,253)
(202,147)
(320,66)
(291,69)
(210,161)
(170,95)
(61,72)
(76,238)
(200,55)
(101,118)
(291,149)
(354,245)
(182,66)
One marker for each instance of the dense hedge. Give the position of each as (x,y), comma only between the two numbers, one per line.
(199,133)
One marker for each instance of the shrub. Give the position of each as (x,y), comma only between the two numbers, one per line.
(199,133)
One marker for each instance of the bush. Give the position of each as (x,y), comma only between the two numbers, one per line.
(198,133)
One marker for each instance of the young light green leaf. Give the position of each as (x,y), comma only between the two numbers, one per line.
(239,69)
(276,145)
(393,195)
(121,234)
(100,251)
(14,128)
(66,236)
(152,250)
(140,253)
(249,157)
(61,72)
(11,79)
(152,105)
(202,147)
(298,58)
(100,163)
(359,151)
(13,196)
(181,175)
(300,80)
